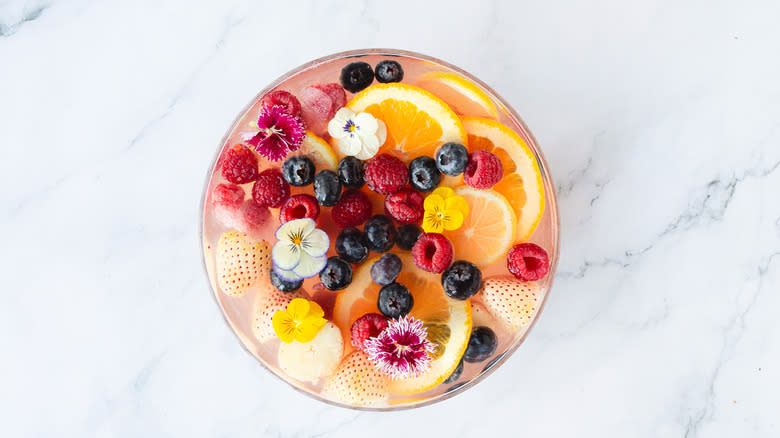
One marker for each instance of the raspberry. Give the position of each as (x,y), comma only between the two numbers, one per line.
(228,195)
(405,206)
(483,171)
(299,207)
(253,218)
(432,252)
(239,165)
(283,98)
(335,92)
(270,189)
(353,209)
(367,326)
(386,174)
(528,262)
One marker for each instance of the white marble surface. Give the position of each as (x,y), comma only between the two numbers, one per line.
(660,122)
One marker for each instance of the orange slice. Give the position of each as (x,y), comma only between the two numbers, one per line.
(461,95)
(447,320)
(488,230)
(417,121)
(319,151)
(522,181)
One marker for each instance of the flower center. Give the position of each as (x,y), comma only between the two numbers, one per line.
(350,126)
(297,240)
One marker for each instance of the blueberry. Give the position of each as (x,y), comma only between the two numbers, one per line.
(351,171)
(385,270)
(451,159)
(356,76)
(389,71)
(285,285)
(461,280)
(394,300)
(337,274)
(407,236)
(352,245)
(455,374)
(380,232)
(482,344)
(423,174)
(327,188)
(298,171)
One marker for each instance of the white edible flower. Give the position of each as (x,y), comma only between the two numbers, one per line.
(359,135)
(300,251)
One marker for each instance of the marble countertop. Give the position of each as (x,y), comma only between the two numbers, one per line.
(659,120)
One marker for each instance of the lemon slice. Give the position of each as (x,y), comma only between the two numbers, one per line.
(319,151)
(461,95)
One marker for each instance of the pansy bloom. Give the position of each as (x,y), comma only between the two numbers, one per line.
(359,135)
(444,210)
(300,251)
(279,133)
(301,321)
(402,350)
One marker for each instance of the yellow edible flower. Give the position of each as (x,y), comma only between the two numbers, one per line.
(444,210)
(302,320)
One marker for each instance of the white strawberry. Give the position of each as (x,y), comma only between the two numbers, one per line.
(357,382)
(319,357)
(269,301)
(511,301)
(241,262)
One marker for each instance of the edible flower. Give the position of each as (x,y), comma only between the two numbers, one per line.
(402,350)
(279,133)
(301,322)
(359,135)
(444,210)
(300,251)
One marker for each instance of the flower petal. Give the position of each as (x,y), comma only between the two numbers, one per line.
(453,219)
(369,141)
(287,275)
(367,124)
(349,145)
(457,203)
(431,223)
(366,153)
(310,266)
(433,202)
(444,192)
(308,329)
(381,132)
(298,309)
(315,311)
(285,255)
(336,126)
(284,326)
(316,243)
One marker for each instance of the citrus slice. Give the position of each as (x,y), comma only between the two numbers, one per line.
(522,181)
(488,231)
(319,151)
(461,95)
(447,320)
(417,121)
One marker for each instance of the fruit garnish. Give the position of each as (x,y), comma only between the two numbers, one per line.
(482,344)
(417,121)
(460,94)
(461,280)
(448,321)
(320,103)
(432,252)
(488,231)
(352,245)
(300,250)
(270,301)
(407,236)
(522,181)
(512,302)
(394,300)
(327,188)
(380,233)
(241,262)
(299,207)
(337,274)
(283,285)
(452,158)
(385,270)
(319,357)
(444,210)
(358,135)
(298,171)
(405,206)
(301,321)
(388,71)
(385,174)
(239,165)
(270,189)
(367,326)
(352,210)
(528,262)
(356,76)
(283,98)
(423,174)
(351,171)
(483,171)
(234,212)
(279,133)
(357,382)
(402,350)
(318,150)
(227,195)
